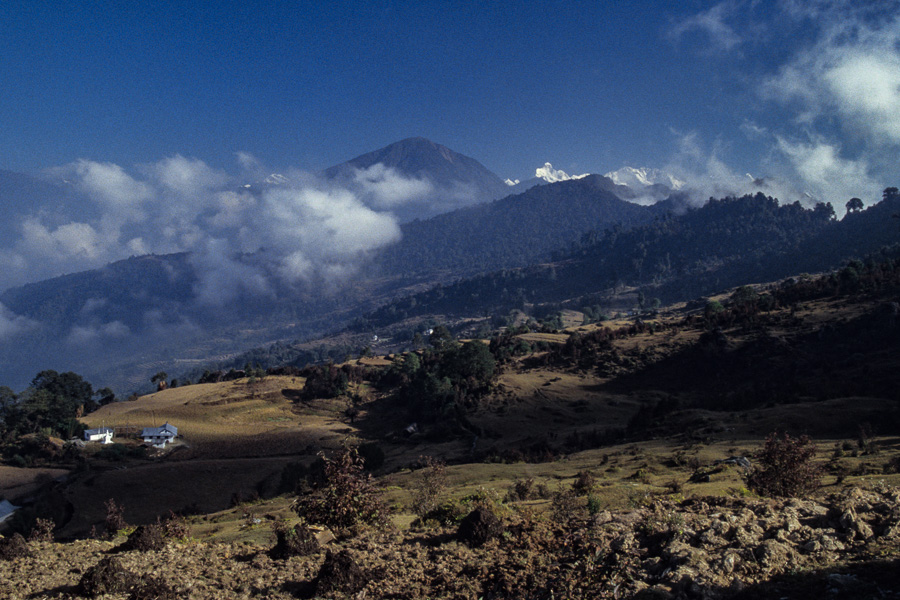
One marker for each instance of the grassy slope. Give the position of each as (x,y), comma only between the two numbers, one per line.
(239,436)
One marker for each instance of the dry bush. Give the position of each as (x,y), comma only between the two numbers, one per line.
(565,505)
(109,576)
(433,485)
(584,483)
(42,530)
(786,467)
(146,538)
(479,526)
(340,574)
(115,517)
(175,527)
(298,540)
(347,500)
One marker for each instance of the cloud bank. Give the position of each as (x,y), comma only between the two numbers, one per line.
(838,84)
(306,228)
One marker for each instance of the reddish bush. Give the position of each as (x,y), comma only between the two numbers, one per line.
(786,467)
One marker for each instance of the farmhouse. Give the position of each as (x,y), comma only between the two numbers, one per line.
(159,436)
(104,435)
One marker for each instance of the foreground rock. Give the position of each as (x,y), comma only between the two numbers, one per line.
(846,545)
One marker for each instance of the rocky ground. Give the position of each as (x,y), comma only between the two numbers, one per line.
(845,545)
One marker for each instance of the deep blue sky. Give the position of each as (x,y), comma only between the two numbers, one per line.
(589,86)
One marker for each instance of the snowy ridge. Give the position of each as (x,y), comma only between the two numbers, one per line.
(551,175)
(644,177)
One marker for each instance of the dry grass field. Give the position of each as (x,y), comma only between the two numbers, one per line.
(229,419)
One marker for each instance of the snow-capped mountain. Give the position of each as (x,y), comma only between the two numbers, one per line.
(551,175)
(542,175)
(644,177)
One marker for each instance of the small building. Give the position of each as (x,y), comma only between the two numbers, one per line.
(159,436)
(104,435)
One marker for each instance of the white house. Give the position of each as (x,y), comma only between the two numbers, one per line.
(159,436)
(104,435)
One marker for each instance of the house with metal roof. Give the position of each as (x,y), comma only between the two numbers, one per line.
(159,436)
(104,435)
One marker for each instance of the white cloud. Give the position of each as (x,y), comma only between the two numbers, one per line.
(712,23)
(827,174)
(304,228)
(187,178)
(386,189)
(12,324)
(322,227)
(82,335)
(78,243)
(851,74)
(108,184)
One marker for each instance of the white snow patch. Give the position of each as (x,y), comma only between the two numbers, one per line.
(644,177)
(551,175)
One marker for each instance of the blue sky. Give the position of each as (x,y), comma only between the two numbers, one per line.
(589,86)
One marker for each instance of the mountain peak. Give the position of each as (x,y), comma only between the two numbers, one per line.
(551,175)
(644,177)
(455,180)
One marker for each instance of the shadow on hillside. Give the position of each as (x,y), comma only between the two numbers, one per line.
(61,591)
(292,395)
(739,370)
(862,581)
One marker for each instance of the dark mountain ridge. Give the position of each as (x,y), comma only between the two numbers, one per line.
(514,231)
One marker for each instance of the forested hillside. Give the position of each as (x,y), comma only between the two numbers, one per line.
(726,242)
(513,232)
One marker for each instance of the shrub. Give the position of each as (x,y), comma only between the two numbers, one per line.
(115,517)
(347,499)
(175,527)
(146,538)
(293,541)
(109,576)
(447,513)
(786,467)
(42,530)
(564,506)
(479,526)
(521,489)
(433,484)
(584,483)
